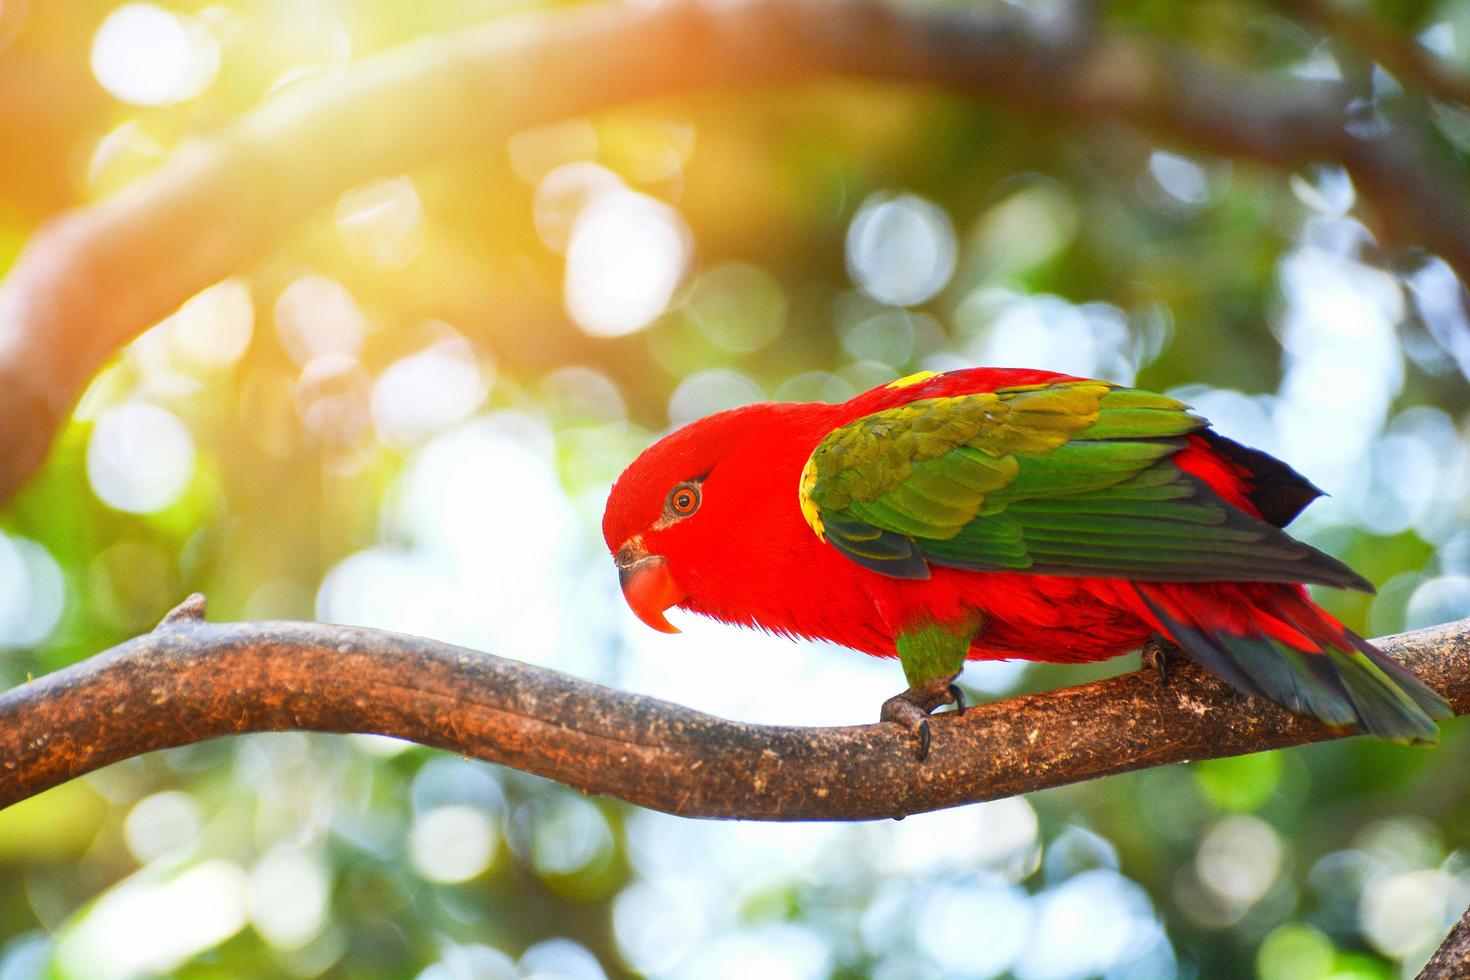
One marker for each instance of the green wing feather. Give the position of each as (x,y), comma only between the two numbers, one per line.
(1068,478)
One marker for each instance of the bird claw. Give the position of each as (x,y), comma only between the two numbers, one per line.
(912,708)
(1158,654)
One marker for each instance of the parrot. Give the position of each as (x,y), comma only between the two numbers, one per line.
(1002,513)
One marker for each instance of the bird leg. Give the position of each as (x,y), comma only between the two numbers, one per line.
(932,655)
(912,708)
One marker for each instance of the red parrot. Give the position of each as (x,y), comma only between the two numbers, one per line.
(995,514)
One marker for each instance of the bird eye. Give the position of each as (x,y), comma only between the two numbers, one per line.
(684,499)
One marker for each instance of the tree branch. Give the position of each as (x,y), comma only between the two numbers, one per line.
(1402,56)
(1452,960)
(191,680)
(93,279)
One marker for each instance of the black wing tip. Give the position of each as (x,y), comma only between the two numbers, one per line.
(1279,492)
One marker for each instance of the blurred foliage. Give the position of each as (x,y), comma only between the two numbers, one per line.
(407,415)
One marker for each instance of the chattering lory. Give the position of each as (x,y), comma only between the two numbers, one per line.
(995,514)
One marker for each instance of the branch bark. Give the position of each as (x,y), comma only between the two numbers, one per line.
(191,680)
(1452,960)
(93,279)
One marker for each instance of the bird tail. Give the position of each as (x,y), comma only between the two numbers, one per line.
(1272,640)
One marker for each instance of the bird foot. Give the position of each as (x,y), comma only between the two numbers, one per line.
(1161,655)
(912,708)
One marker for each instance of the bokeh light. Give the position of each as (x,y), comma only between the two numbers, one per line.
(1004,328)
(656,929)
(561,959)
(563,193)
(536,152)
(382,221)
(626,255)
(333,398)
(1092,924)
(32,592)
(568,836)
(317,316)
(470,961)
(427,392)
(213,329)
(901,249)
(450,844)
(711,391)
(1238,860)
(1186,183)
(163,824)
(147,55)
(738,306)
(123,155)
(289,895)
(1441,599)
(140,457)
(151,924)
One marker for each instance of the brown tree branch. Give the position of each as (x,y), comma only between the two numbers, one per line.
(95,278)
(1452,960)
(191,680)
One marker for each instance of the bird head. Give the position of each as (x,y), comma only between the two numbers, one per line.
(677,519)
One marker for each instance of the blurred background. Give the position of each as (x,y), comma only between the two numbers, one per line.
(452,365)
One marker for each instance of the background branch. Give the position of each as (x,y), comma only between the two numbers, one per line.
(1403,56)
(191,680)
(94,279)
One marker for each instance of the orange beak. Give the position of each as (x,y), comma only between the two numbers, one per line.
(648,586)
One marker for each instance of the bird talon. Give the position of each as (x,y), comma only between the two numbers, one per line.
(911,710)
(958,697)
(1158,653)
(1161,664)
